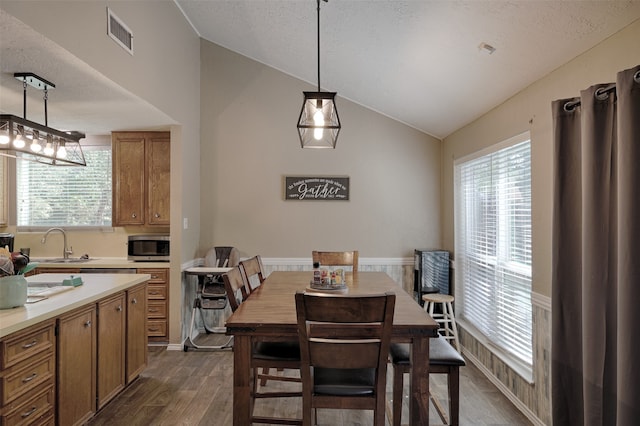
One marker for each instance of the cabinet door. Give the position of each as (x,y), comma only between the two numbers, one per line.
(136,331)
(128,150)
(158,178)
(111,347)
(76,390)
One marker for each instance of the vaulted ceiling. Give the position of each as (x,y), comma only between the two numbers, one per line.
(420,62)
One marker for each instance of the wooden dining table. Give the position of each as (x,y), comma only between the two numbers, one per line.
(269,313)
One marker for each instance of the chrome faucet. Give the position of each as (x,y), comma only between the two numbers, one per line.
(65,251)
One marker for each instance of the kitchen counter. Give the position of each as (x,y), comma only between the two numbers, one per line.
(99,263)
(95,287)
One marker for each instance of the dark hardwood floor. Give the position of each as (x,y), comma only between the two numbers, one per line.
(195,388)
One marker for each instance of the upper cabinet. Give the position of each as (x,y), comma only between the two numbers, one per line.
(141,178)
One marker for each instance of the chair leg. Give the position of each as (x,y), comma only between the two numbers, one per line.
(398,373)
(453,380)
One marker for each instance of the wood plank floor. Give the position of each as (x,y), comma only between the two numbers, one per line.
(194,388)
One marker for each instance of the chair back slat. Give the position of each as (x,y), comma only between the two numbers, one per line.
(346,353)
(336,258)
(253,272)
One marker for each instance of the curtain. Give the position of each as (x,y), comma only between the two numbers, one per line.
(596,255)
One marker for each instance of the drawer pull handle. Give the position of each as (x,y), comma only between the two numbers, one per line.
(154,329)
(88,323)
(119,308)
(154,310)
(133,215)
(29,378)
(157,215)
(154,277)
(134,301)
(30,412)
(30,345)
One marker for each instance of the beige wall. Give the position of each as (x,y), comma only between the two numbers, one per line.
(250,141)
(531,110)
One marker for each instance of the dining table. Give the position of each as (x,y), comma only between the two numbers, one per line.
(269,314)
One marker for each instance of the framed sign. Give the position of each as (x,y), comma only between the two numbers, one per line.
(320,188)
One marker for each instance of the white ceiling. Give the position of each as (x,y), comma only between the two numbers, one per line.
(418,62)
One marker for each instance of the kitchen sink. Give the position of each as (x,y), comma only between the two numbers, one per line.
(63,260)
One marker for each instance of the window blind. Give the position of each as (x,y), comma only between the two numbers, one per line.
(493,249)
(65,196)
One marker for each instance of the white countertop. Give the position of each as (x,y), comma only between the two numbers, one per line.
(101,262)
(95,287)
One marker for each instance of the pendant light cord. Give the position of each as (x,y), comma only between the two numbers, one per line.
(319,45)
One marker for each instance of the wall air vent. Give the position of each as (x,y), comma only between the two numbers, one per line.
(119,32)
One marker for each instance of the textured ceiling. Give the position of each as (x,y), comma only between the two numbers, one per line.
(418,62)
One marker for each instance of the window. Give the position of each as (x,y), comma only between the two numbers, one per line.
(66,196)
(493,249)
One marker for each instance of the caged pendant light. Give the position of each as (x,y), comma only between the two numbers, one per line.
(319,124)
(27,140)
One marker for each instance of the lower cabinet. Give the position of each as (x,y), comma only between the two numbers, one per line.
(111,347)
(77,358)
(27,376)
(100,349)
(136,353)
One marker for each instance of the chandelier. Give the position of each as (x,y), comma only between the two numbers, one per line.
(319,124)
(27,140)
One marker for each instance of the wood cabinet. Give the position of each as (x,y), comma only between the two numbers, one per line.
(141,178)
(111,347)
(101,349)
(27,375)
(158,304)
(76,372)
(136,354)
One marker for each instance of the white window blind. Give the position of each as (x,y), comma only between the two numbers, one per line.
(65,196)
(493,250)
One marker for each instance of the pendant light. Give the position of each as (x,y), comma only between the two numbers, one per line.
(319,124)
(27,140)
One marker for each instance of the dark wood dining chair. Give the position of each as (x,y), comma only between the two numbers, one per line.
(235,287)
(344,344)
(443,359)
(336,258)
(253,271)
(265,355)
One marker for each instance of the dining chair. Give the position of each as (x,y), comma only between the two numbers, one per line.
(336,258)
(265,354)
(443,359)
(234,283)
(253,272)
(344,344)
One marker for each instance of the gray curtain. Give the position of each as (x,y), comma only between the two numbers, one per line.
(596,256)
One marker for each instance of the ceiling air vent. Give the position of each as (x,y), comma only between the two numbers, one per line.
(119,32)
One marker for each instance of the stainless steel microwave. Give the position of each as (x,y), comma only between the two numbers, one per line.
(148,248)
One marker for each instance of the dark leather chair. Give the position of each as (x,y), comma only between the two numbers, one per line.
(443,359)
(266,355)
(344,345)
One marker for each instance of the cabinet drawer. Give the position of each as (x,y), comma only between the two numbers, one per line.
(31,409)
(156,309)
(157,328)
(157,292)
(21,379)
(25,345)
(158,276)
